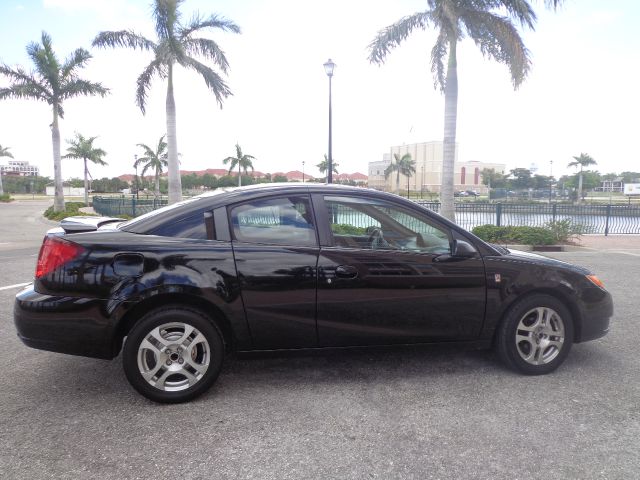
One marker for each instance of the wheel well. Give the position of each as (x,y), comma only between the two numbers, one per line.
(558,295)
(209,310)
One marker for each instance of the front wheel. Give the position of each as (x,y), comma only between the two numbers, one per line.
(536,335)
(173,355)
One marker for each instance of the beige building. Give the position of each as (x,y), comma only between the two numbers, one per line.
(428,175)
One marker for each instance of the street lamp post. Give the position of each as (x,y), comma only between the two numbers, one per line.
(302,171)
(328,68)
(135,164)
(550,180)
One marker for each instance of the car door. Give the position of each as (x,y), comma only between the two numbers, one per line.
(387,275)
(276,252)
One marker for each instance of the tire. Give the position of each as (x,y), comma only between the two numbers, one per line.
(173,354)
(535,335)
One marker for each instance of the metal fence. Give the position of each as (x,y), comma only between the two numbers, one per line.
(602,219)
(126,206)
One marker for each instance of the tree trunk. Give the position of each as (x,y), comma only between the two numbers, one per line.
(157,192)
(58,199)
(175,187)
(398,182)
(1,190)
(580,187)
(239,176)
(449,143)
(86,184)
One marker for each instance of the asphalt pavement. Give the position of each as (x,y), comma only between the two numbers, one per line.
(423,413)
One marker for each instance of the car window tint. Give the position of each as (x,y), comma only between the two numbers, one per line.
(276,221)
(380,225)
(189,227)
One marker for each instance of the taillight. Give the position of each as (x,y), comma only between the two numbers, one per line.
(55,252)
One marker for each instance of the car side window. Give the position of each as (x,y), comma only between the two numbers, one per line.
(192,226)
(380,225)
(275,221)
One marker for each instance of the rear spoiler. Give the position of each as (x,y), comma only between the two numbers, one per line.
(86,224)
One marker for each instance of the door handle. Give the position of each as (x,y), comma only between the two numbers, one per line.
(346,271)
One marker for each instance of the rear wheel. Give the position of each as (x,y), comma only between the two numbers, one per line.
(173,355)
(536,335)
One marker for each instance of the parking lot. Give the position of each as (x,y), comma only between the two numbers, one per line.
(397,413)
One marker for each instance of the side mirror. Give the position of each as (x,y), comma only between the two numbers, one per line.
(464,249)
(461,250)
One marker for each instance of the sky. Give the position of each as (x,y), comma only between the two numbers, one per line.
(581,94)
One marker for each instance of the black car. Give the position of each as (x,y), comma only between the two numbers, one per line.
(294,267)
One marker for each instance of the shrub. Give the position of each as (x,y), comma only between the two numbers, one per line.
(345,229)
(5,198)
(565,230)
(519,235)
(70,209)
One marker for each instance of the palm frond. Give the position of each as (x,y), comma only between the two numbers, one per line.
(144,82)
(4,152)
(24,85)
(123,38)
(212,79)
(207,49)
(79,87)
(20,92)
(498,38)
(438,54)
(393,35)
(77,59)
(167,16)
(521,10)
(46,62)
(213,21)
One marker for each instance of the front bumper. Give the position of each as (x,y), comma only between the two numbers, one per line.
(72,325)
(597,310)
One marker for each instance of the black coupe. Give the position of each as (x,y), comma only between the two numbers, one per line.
(294,267)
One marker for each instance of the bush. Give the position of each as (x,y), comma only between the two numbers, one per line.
(565,230)
(5,198)
(71,209)
(345,229)
(518,235)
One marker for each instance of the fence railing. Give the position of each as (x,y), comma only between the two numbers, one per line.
(128,206)
(602,219)
(599,219)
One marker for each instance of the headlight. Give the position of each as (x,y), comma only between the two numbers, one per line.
(596,281)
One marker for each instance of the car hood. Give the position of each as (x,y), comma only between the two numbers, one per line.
(519,255)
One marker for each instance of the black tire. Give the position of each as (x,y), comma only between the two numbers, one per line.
(180,363)
(535,335)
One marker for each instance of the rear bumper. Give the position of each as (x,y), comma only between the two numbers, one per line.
(72,325)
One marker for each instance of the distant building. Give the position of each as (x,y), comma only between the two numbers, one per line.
(428,175)
(615,185)
(20,168)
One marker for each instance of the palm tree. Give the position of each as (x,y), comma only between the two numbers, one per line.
(177,44)
(83,149)
(4,152)
(403,165)
(243,162)
(51,82)
(323,166)
(485,22)
(584,160)
(155,160)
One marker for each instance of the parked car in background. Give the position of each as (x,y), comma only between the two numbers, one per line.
(297,266)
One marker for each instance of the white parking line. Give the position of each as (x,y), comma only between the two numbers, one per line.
(17,285)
